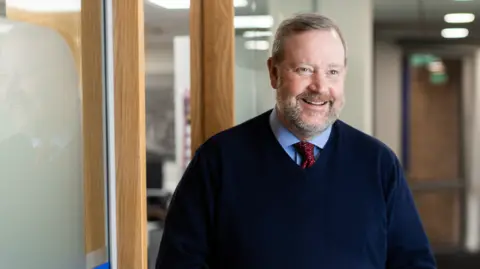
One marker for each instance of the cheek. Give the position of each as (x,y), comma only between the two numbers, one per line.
(294,87)
(336,91)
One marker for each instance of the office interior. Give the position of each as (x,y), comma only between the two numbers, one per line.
(413,83)
(418,62)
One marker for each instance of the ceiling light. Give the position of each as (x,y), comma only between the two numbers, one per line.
(253,34)
(459,17)
(243,22)
(257,45)
(45,5)
(185,4)
(455,32)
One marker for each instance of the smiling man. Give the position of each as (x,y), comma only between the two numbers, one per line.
(295,187)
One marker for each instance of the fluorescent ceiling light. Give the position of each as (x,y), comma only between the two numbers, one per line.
(243,22)
(185,4)
(253,34)
(257,45)
(45,5)
(459,17)
(455,32)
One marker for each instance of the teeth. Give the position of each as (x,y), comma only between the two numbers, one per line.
(316,103)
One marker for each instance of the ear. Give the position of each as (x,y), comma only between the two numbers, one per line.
(273,72)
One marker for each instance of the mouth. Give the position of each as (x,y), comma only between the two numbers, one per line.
(315,103)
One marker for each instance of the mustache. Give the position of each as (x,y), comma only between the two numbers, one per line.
(315,97)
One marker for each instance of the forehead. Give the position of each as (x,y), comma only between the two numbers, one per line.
(315,46)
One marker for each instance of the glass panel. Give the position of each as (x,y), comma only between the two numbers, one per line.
(42,198)
(254,23)
(440,213)
(167,70)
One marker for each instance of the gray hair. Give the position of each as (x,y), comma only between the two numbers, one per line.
(300,23)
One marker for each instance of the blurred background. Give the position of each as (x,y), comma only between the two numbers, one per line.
(413,82)
(413,72)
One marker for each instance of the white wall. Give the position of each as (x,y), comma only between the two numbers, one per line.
(471,113)
(388,94)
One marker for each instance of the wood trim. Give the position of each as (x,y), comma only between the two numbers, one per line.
(130,151)
(196,74)
(212,68)
(92,81)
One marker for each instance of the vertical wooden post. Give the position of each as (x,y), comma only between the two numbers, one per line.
(93,130)
(212,68)
(130,151)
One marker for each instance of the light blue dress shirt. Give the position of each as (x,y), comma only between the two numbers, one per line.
(287,140)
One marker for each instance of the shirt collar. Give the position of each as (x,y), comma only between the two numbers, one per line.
(287,139)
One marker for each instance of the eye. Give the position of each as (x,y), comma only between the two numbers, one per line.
(333,72)
(304,70)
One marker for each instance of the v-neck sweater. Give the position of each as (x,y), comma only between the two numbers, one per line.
(244,203)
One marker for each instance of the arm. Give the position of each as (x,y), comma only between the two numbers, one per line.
(408,246)
(185,242)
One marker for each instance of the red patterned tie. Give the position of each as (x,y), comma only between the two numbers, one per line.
(306,150)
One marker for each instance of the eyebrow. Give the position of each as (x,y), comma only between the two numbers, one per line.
(332,65)
(335,65)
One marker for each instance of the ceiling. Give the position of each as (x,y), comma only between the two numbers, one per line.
(394,19)
(407,21)
(422,20)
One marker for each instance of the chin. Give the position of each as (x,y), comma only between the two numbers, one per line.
(314,118)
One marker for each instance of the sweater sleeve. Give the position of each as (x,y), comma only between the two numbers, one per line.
(185,242)
(408,246)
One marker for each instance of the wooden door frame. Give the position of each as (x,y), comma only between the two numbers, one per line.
(130,150)
(212,91)
(128,223)
(212,68)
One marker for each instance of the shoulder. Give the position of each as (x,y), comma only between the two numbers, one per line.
(366,147)
(359,139)
(372,153)
(239,137)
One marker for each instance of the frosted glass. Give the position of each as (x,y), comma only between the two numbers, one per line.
(41,196)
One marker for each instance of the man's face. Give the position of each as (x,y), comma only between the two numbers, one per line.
(309,81)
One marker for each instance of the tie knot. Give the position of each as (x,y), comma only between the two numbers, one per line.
(306,150)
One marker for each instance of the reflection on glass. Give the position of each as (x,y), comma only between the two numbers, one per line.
(41,198)
(254,25)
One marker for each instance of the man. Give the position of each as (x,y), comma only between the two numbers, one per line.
(295,187)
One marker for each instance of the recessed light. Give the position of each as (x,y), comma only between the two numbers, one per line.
(257,45)
(455,32)
(459,17)
(45,5)
(253,34)
(253,22)
(185,4)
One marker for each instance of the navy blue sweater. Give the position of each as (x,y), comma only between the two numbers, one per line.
(244,204)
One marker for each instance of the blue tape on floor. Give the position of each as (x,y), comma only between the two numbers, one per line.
(103,266)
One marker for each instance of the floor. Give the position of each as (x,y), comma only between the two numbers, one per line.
(458,261)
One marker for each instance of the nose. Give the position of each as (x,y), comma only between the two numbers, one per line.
(318,83)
